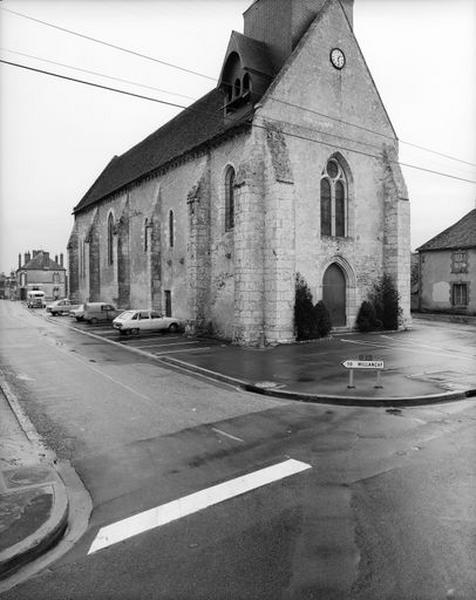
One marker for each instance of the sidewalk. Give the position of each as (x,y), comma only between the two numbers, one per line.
(33,500)
(415,372)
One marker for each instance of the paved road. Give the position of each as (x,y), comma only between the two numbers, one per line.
(385,511)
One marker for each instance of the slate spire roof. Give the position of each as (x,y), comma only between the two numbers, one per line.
(460,235)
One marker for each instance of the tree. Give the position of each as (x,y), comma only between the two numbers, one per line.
(322,319)
(367,317)
(303,310)
(386,302)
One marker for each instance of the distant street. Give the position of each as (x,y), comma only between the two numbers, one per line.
(342,502)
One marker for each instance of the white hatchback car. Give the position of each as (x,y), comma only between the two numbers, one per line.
(134,321)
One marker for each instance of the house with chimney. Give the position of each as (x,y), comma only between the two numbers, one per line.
(287,167)
(447,269)
(40,272)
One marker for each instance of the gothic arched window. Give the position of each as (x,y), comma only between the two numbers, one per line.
(171,229)
(229,199)
(333,200)
(110,239)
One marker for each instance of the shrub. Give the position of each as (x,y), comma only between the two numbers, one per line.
(367,317)
(386,302)
(322,319)
(303,310)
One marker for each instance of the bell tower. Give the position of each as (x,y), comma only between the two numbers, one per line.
(280,24)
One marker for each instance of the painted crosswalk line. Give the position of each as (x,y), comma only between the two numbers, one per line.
(188,505)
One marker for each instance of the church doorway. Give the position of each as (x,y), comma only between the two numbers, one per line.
(333,294)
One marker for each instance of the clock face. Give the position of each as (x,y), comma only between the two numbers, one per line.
(337,58)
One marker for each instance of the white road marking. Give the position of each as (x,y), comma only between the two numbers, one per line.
(228,435)
(188,505)
(155,344)
(167,352)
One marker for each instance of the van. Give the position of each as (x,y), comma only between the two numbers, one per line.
(35,299)
(99,311)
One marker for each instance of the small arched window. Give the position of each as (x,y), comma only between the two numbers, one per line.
(110,239)
(171,229)
(237,88)
(146,235)
(246,83)
(229,199)
(333,200)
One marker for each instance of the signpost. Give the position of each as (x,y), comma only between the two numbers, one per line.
(366,362)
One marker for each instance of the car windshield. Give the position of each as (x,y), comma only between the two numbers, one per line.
(128,314)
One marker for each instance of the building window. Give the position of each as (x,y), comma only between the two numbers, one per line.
(333,200)
(237,87)
(171,229)
(146,235)
(168,303)
(56,278)
(229,199)
(110,239)
(459,261)
(459,294)
(22,279)
(246,83)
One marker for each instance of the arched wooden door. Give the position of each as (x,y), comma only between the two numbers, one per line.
(333,294)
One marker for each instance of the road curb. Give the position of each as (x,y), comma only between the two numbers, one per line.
(42,540)
(52,530)
(289,395)
(323,398)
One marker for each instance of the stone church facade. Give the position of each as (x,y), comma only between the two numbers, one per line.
(288,166)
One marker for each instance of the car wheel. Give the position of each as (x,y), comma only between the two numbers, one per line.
(173,327)
(93,321)
(135,331)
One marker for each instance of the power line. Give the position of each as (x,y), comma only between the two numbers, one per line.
(92,39)
(59,64)
(97,85)
(198,74)
(43,72)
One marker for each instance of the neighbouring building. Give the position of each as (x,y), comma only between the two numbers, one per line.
(41,272)
(447,269)
(289,165)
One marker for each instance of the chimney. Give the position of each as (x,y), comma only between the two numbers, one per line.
(281,23)
(19,261)
(56,258)
(61,259)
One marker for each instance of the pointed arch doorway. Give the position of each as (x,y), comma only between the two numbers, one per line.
(334,294)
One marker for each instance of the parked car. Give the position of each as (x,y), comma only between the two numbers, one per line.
(134,321)
(78,313)
(35,299)
(99,311)
(61,307)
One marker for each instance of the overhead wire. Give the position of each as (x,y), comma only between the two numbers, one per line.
(191,108)
(112,78)
(209,77)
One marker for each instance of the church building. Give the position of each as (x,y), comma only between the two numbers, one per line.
(288,166)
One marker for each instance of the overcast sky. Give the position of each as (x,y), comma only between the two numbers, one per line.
(56,136)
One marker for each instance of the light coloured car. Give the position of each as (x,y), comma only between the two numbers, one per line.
(61,307)
(78,313)
(135,321)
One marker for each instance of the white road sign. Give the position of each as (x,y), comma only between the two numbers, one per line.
(363,364)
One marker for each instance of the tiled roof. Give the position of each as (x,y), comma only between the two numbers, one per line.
(460,235)
(197,124)
(42,261)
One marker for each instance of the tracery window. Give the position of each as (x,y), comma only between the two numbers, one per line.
(334,200)
(229,199)
(110,239)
